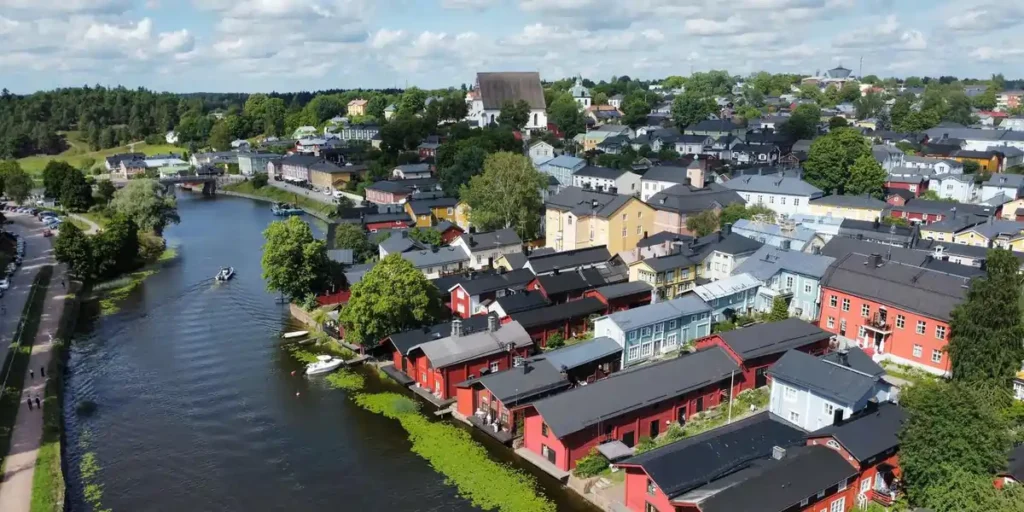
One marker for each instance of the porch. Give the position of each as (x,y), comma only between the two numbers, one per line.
(430,397)
(499,433)
(885,488)
(543,464)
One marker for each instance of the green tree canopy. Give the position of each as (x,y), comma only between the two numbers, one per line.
(691,108)
(566,114)
(514,114)
(635,110)
(17,185)
(736,211)
(294,263)
(506,195)
(986,331)
(105,190)
(803,123)
(837,122)
(74,249)
(869,105)
(7,167)
(780,310)
(468,162)
(392,297)
(426,235)
(54,175)
(831,156)
(966,492)
(221,135)
(703,223)
(147,203)
(116,249)
(76,193)
(352,236)
(866,176)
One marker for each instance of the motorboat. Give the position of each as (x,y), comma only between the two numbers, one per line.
(324,364)
(294,334)
(225,274)
(285,209)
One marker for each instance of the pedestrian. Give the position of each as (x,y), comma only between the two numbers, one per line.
(29,403)
(37,403)
(31,373)
(42,371)
(62,283)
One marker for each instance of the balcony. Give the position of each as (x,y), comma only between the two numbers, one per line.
(878,323)
(883,498)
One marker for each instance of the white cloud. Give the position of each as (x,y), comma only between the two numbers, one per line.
(467,4)
(103,33)
(180,41)
(384,38)
(708,27)
(885,34)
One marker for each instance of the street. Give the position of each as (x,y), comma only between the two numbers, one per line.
(38,252)
(318,196)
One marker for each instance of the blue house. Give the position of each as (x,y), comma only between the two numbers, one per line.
(792,275)
(650,331)
(734,295)
(562,168)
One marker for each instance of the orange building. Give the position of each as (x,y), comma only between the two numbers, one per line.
(891,310)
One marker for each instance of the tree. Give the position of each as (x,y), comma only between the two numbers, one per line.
(17,185)
(703,223)
(635,111)
(54,175)
(566,114)
(506,195)
(260,180)
(866,176)
(986,329)
(74,249)
(427,236)
(514,114)
(971,167)
(803,123)
(116,248)
(412,102)
(985,100)
(600,99)
(392,297)
(950,426)
(105,190)
(691,109)
(966,492)
(849,92)
(294,263)
(895,221)
(221,136)
(352,236)
(736,211)
(831,157)
(837,122)
(76,193)
(780,310)
(147,203)
(7,167)
(468,162)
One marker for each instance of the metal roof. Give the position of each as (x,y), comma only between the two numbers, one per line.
(659,312)
(624,289)
(822,377)
(868,433)
(774,185)
(456,349)
(769,261)
(773,338)
(497,88)
(726,287)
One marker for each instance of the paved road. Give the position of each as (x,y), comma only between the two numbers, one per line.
(19,468)
(38,252)
(317,196)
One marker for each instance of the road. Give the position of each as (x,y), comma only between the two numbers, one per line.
(317,196)
(38,252)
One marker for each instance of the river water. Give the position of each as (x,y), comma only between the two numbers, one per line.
(197,408)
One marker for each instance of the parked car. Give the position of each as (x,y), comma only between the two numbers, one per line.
(5,284)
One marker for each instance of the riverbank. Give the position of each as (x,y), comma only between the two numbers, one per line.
(271,194)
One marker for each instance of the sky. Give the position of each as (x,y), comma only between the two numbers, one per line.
(293,45)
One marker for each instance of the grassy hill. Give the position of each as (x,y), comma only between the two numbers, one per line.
(78,153)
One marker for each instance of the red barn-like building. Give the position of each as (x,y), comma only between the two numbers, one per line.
(622,296)
(568,319)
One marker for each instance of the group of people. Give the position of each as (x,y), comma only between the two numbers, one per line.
(32,375)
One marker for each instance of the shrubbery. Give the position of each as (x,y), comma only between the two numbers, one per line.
(592,464)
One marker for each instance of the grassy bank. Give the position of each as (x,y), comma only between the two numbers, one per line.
(16,362)
(272,193)
(48,480)
(111,293)
(78,153)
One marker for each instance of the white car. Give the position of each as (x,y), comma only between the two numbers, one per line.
(5,283)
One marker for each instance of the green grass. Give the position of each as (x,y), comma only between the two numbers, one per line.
(710,419)
(275,194)
(169,254)
(113,292)
(907,373)
(99,218)
(18,356)
(79,224)
(79,151)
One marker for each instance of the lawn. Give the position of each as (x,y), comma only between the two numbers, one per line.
(79,151)
(275,194)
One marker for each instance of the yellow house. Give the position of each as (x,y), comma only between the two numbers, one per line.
(1009,210)
(591,139)
(987,160)
(849,207)
(578,218)
(1007,234)
(430,211)
(357,107)
(462,215)
(669,275)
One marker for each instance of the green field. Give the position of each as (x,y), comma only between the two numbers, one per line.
(78,151)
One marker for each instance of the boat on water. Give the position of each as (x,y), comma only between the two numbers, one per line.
(324,364)
(294,334)
(284,209)
(225,274)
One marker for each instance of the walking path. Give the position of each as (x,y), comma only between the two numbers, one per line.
(19,468)
(93,227)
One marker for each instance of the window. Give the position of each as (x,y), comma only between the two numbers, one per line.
(861,331)
(639,215)
(842,485)
(865,310)
(544,429)
(846,304)
(807,287)
(672,324)
(829,410)
(921,326)
(623,217)
(833,300)
(783,199)
(831,322)
(633,353)
(569,220)
(901,321)
(789,282)
(495,366)
(936,356)
(789,394)
(771,199)
(650,508)
(646,331)
(940,332)
(638,228)
(650,487)
(838,505)
(796,202)
(623,231)
(865,485)
(632,335)
(821,494)
(803,502)
(917,350)
(760,198)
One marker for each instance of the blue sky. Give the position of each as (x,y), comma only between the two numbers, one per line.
(287,45)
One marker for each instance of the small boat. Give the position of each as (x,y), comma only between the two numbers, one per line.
(285,209)
(294,334)
(324,364)
(225,273)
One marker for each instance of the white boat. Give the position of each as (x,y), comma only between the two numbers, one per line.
(225,274)
(294,334)
(324,364)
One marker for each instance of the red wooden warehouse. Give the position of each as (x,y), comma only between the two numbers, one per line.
(622,296)
(569,319)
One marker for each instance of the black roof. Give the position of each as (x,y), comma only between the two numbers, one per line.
(1015,465)
(425,206)
(869,432)
(773,338)
(856,359)
(545,263)
(822,377)
(522,301)
(406,341)
(778,485)
(876,230)
(730,244)
(921,254)
(669,262)
(631,390)
(559,312)
(594,171)
(491,239)
(444,284)
(571,281)
(662,237)
(492,282)
(614,291)
(695,461)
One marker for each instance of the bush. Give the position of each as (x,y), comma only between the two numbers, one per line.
(594,463)
(556,340)
(259,181)
(151,247)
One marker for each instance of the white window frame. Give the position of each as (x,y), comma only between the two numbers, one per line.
(865,310)
(846,304)
(789,394)
(831,322)
(842,484)
(936,356)
(633,353)
(901,321)
(833,301)
(922,326)
(940,329)
(865,485)
(829,409)
(495,366)
(838,505)
(794,417)
(807,287)
(918,350)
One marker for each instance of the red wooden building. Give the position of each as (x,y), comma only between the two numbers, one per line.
(757,463)
(561,287)
(924,211)
(757,347)
(569,319)
(448,231)
(627,406)
(622,296)
(893,311)
(916,185)
(468,295)
(437,360)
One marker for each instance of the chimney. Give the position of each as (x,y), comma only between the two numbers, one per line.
(456,328)
(472,229)
(613,190)
(871,406)
(492,323)
(785,246)
(727,229)
(837,416)
(405,234)
(778,452)
(875,260)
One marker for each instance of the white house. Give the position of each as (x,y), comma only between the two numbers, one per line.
(958,187)
(693,144)
(888,156)
(1009,185)
(783,195)
(494,89)
(304,132)
(240,144)
(813,393)
(616,101)
(936,165)
(171,137)
(603,178)
(580,94)
(541,152)
(485,248)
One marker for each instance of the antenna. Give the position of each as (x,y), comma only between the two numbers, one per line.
(860,72)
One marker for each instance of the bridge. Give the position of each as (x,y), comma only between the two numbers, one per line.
(208,182)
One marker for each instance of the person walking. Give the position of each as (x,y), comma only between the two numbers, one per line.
(42,371)
(37,404)
(31,373)
(29,400)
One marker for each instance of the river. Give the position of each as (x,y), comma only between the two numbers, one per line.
(196,407)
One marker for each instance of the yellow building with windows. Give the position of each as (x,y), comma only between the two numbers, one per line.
(578,218)
(849,207)
(1007,234)
(428,212)
(669,275)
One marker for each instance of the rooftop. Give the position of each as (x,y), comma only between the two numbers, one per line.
(583,203)
(559,312)
(594,171)
(438,257)
(456,349)
(773,338)
(491,239)
(497,88)
(774,185)
(660,311)
(493,282)
(736,283)
(868,433)
(522,301)
(862,202)
(549,262)
(822,377)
